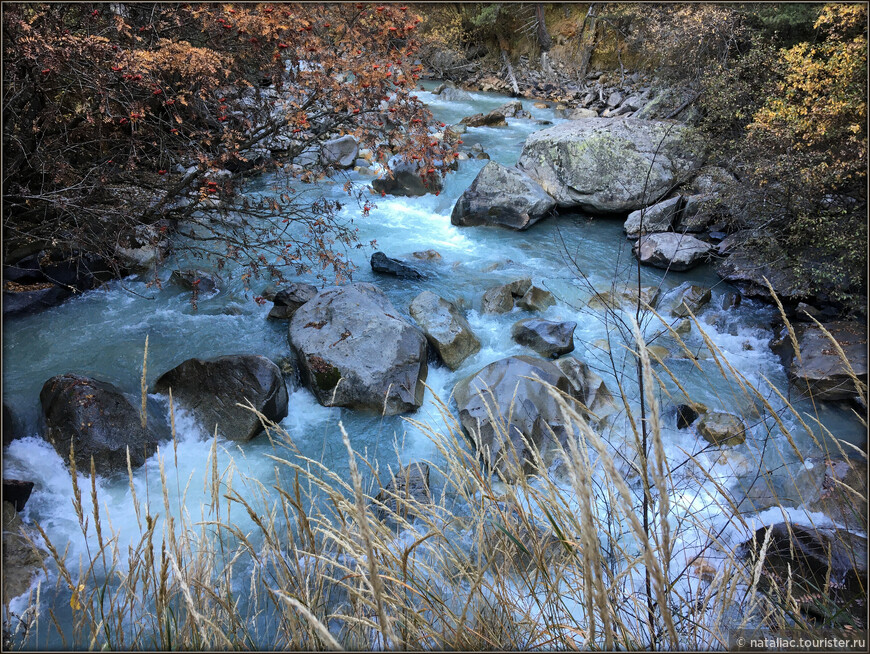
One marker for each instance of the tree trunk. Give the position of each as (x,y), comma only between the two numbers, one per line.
(588,47)
(544,40)
(507,62)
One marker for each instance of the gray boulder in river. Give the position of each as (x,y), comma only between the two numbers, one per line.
(445,327)
(98,420)
(289,298)
(671,250)
(820,370)
(609,165)
(502,196)
(211,389)
(547,338)
(408,178)
(355,351)
(523,409)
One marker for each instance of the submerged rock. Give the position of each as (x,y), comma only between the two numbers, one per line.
(355,351)
(721,428)
(445,327)
(198,280)
(502,196)
(624,296)
(212,389)
(98,421)
(590,387)
(407,490)
(549,339)
(608,165)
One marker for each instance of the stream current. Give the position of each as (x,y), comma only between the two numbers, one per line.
(102,334)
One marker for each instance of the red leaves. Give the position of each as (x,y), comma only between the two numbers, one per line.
(123,121)
(157,92)
(403,8)
(162,171)
(117,68)
(46,71)
(282,46)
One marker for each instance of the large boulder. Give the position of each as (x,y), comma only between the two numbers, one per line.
(445,327)
(408,177)
(385,265)
(213,388)
(820,370)
(699,211)
(502,196)
(843,492)
(597,399)
(657,218)
(354,350)
(513,109)
(289,299)
(748,265)
(340,152)
(825,570)
(547,338)
(671,251)
(608,165)
(98,420)
(507,400)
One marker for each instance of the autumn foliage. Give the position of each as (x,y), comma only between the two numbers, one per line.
(118,117)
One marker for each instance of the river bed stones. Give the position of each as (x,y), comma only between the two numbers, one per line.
(501,298)
(212,389)
(624,296)
(508,413)
(446,329)
(98,421)
(547,338)
(502,196)
(355,351)
(609,165)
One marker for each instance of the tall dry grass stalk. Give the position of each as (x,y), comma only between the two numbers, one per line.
(554,560)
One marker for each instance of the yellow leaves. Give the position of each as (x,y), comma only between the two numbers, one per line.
(74,603)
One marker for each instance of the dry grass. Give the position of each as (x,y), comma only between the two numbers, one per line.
(551,561)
